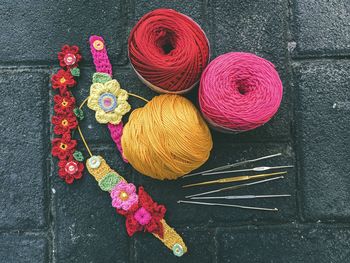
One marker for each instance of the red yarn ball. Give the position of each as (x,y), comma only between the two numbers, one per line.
(239,92)
(168,51)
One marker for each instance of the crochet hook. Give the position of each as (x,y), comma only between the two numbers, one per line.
(255,169)
(234,179)
(233,165)
(228,205)
(234,187)
(239,197)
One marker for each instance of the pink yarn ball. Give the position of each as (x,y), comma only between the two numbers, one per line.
(239,92)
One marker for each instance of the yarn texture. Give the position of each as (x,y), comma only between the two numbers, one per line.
(167,138)
(168,51)
(239,92)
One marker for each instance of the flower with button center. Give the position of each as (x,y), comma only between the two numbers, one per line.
(70,170)
(64,123)
(64,103)
(145,215)
(62,79)
(124,195)
(69,56)
(109,101)
(63,147)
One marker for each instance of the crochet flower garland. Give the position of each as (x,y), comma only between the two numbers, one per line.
(66,116)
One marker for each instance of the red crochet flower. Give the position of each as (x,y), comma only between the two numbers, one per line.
(63,147)
(144,216)
(70,170)
(63,79)
(64,103)
(64,123)
(69,56)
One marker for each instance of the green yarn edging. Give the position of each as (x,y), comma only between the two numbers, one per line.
(99,77)
(109,181)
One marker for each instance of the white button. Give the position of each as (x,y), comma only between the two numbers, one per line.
(178,250)
(94,162)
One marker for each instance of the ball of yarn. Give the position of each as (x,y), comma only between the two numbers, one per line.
(168,51)
(167,138)
(239,92)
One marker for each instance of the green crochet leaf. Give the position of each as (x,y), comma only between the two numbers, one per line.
(109,181)
(99,77)
(79,113)
(78,156)
(75,72)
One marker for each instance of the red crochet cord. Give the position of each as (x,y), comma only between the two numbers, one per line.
(168,49)
(103,65)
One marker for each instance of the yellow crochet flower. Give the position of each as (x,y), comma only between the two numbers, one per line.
(109,101)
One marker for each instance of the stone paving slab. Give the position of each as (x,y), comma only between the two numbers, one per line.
(36,30)
(18,248)
(285,243)
(321,27)
(24,134)
(323,138)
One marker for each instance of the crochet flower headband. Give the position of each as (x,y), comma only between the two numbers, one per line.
(109,102)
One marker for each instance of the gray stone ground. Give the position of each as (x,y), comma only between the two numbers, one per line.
(44,220)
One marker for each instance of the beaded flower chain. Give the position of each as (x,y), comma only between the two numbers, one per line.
(66,116)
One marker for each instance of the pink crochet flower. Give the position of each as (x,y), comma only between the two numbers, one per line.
(142,216)
(124,195)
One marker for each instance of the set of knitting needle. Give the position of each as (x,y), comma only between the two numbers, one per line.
(196,199)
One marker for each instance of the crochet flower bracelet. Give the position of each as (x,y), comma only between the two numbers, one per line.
(109,102)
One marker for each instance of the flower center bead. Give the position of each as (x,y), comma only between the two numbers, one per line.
(64,122)
(107,102)
(123,196)
(69,59)
(71,168)
(62,80)
(64,103)
(63,146)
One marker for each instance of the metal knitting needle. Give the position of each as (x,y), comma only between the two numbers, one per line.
(240,197)
(229,205)
(255,169)
(233,165)
(234,179)
(234,187)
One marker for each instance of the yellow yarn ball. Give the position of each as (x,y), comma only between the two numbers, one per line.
(167,138)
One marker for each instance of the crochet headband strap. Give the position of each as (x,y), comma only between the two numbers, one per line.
(110,103)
